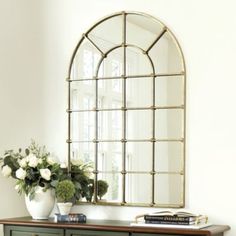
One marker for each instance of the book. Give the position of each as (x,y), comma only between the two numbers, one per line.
(170,222)
(71,218)
(179,214)
(176,220)
(199,226)
(169,217)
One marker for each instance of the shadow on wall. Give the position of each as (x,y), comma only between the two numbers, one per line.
(15,203)
(11,203)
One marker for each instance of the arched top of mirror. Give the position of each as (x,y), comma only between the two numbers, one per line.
(140,33)
(127,110)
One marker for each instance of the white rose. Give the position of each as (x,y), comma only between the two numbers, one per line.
(33,160)
(17,187)
(20,173)
(22,162)
(6,171)
(28,157)
(51,160)
(45,173)
(77,162)
(63,165)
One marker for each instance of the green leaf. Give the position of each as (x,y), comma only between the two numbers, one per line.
(54,183)
(77,185)
(31,195)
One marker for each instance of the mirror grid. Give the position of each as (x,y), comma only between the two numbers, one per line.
(126,111)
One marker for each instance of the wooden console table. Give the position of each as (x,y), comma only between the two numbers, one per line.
(25,226)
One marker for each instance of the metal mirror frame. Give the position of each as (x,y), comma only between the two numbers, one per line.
(153,108)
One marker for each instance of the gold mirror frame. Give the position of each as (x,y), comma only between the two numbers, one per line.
(153,173)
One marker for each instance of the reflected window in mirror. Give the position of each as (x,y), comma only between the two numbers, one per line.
(126,110)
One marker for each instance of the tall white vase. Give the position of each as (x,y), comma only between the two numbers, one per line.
(41,206)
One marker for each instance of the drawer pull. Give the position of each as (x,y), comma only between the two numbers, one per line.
(34,235)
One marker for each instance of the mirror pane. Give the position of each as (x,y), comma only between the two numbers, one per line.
(83,126)
(139,92)
(169,91)
(85,62)
(169,123)
(139,156)
(166,55)
(114,181)
(169,156)
(110,125)
(137,63)
(107,34)
(142,30)
(169,189)
(138,188)
(110,156)
(83,95)
(84,151)
(139,124)
(112,64)
(110,95)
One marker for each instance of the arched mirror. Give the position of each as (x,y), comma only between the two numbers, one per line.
(126,110)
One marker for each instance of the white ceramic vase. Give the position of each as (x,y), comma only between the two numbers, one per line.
(64,207)
(42,204)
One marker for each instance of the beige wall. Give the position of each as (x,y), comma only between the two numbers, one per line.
(36,41)
(20,89)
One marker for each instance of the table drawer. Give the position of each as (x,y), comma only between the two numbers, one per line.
(32,231)
(94,233)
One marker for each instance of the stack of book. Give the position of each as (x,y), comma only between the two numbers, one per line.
(175,218)
(71,218)
(169,219)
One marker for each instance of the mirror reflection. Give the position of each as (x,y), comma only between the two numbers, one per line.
(127,111)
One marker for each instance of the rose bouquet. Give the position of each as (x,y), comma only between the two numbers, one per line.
(35,167)
(32,168)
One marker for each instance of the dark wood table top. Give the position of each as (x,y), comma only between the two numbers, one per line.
(113,225)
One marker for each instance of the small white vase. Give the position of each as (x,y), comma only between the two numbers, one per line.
(64,207)
(41,205)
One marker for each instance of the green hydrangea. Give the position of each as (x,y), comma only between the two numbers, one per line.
(65,191)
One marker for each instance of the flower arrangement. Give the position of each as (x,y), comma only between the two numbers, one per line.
(31,168)
(35,167)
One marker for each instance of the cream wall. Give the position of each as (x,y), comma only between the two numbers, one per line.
(21,89)
(36,41)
